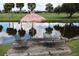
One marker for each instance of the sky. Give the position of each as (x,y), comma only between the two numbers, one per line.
(39,6)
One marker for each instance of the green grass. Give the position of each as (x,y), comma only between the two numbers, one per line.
(74,47)
(4,48)
(15,17)
(50,17)
(62,17)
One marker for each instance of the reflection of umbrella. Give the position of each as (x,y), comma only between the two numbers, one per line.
(32,17)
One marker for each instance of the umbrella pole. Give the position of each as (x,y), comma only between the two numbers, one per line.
(21,25)
(9,19)
(13,24)
(49,24)
(32,26)
(9,24)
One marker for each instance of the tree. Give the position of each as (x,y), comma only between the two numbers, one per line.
(31,6)
(20,6)
(8,7)
(57,9)
(69,8)
(49,7)
(77,7)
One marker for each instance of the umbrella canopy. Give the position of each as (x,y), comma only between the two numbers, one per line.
(32,17)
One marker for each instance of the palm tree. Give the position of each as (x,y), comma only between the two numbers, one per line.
(20,6)
(8,7)
(31,6)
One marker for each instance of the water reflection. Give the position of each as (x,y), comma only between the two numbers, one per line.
(40,28)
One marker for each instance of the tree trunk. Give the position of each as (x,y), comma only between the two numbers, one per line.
(70,15)
(20,9)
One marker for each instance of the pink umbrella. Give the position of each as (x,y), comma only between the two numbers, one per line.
(32,17)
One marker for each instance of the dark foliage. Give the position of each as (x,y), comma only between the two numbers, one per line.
(31,6)
(11,31)
(49,7)
(20,6)
(8,7)
(61,29)
(49,30)
(32,32)
(14,32)
(1,27)
(68,30)
(21,32)
(57,9)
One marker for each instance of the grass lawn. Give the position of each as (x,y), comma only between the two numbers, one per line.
(74,47)
(62,17)
(51,17)
(4,48)
(6,17)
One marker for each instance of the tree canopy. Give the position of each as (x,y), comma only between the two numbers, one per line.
(49,7)
(20,5)
(69,8)
(57,9)
(8,7)
(31,6)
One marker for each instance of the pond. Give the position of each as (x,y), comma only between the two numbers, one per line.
(40,28)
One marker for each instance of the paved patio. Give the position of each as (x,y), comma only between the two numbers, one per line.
(37,50)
